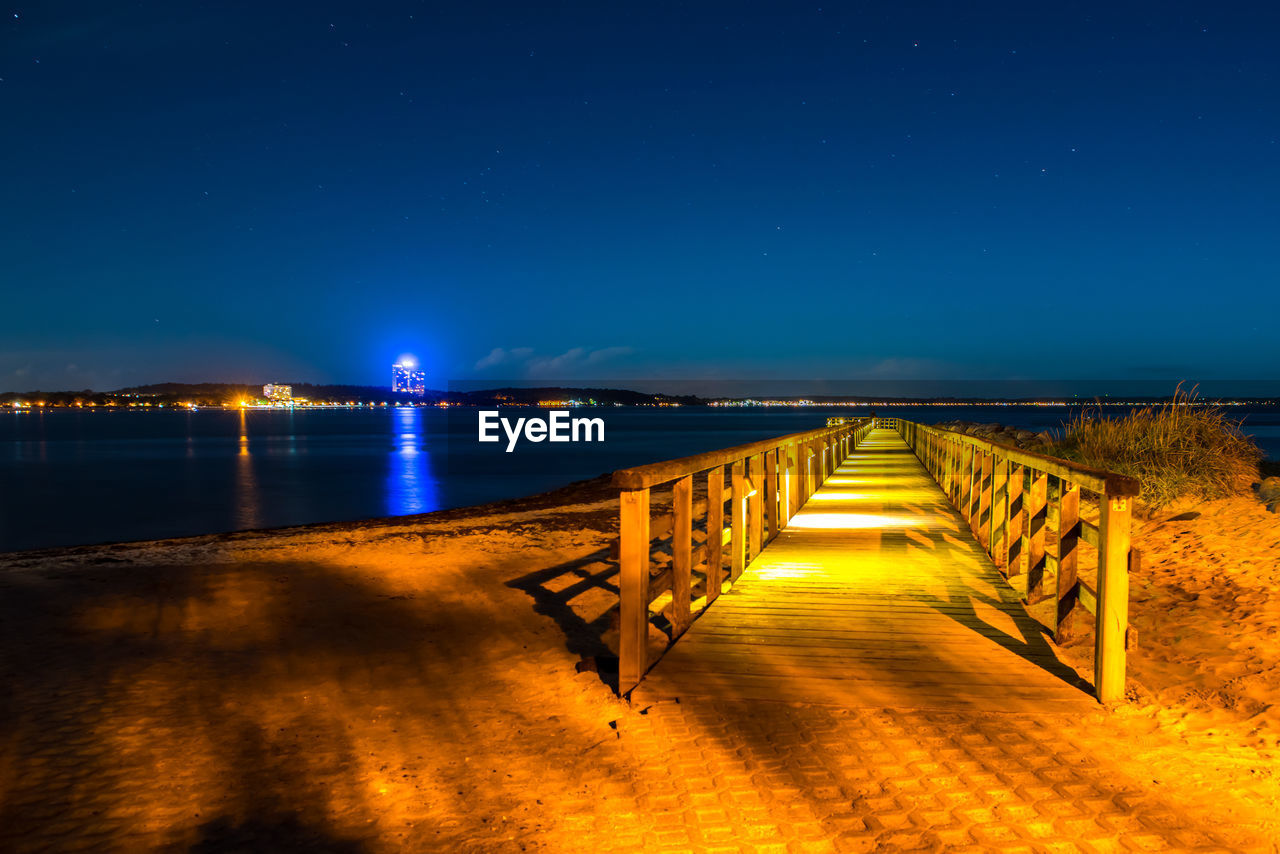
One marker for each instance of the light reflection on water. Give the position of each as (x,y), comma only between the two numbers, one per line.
(410,488)
(247,499)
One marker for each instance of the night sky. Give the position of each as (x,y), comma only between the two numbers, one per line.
(304,191)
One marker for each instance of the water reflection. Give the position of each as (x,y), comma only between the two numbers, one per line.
(409,485)
(293,435)
(247,501)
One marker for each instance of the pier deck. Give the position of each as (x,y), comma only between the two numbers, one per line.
(875,594)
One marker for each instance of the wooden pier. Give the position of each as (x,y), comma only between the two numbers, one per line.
(873,564)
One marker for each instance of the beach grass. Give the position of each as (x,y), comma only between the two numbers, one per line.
(1182,449)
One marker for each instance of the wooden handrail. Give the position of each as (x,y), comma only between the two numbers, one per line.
(1010,497)
(656,474)
(768,483)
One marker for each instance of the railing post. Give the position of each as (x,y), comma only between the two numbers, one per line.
(633,641)
(1113,599)
(715,530)
(738,523)
(681,554)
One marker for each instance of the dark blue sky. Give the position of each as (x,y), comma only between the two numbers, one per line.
(259,191)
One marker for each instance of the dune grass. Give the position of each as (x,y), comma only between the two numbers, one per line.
(1183,448)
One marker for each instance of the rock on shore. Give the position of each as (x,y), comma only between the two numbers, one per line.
(1002,434)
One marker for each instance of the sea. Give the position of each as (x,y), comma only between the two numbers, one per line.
(82,476)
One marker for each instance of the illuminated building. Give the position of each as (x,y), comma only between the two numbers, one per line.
(283,393)
(405,379)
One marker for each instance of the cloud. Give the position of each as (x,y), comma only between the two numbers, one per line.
(526,362)
(898,368)
(500,356)
(604,354)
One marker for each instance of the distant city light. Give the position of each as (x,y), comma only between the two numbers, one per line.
(278,393)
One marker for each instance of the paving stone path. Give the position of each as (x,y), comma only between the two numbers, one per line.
(395,690)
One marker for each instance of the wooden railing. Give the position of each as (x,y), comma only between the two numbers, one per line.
(1011,499)
(767,483)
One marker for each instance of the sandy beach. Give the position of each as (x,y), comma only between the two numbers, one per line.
(414,684)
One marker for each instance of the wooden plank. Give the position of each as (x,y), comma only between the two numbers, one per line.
(996,517)
(738,522)
(900,596)
(1015,514)
(907,590)
(888,626)
(919,600)
(1068,612)
(1089,596)
(968,462)
(715,523)
(771,492)
(854,616)
(853,695)
(907,594)
(1089,532)
(755,507)
(853,644)
(854,650)
(881,606)
(1028,677)
(633,581)
(792,482)
(1036,500)
(909,654)
(863,643)
(1029,680)
(946,482)
(812,473)
(803,464)
(681,545)
(957,471)
(982,510)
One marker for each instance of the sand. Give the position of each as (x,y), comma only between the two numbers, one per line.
(414,684)
(1206,604)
